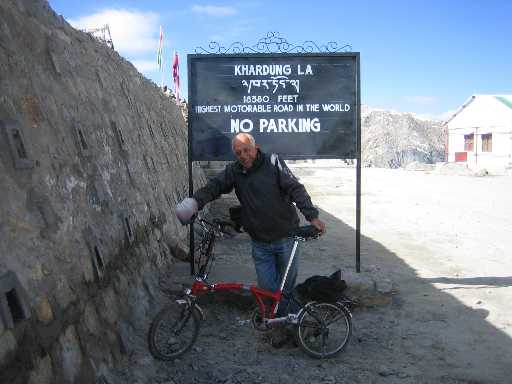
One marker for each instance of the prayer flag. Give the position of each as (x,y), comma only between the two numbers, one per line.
(176,76)
(160,49)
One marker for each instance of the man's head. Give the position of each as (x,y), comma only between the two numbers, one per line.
(245,149)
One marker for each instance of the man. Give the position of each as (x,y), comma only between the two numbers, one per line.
(266,192)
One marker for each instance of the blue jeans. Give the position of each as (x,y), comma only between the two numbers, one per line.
(270,261)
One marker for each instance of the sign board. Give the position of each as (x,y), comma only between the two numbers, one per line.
(301,106)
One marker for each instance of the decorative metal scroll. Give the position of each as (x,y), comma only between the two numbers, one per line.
(274,43)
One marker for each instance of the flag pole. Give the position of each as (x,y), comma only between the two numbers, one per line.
(159,56)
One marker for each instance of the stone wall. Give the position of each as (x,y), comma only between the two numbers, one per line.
(92,163)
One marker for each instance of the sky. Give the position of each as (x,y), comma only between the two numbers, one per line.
(419,56)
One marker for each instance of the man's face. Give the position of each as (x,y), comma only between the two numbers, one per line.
(244,151)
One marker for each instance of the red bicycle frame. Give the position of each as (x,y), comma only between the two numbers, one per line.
(201,288)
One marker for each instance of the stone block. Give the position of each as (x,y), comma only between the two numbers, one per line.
(384,286)
(113,340)
(369,288)
(36,272)
(43,372)
(64,294)
(39,202)
(361,283)
(121,284)
(90,318)
(8,346)
(71,354)
(110,310)
(88,271)
(44,311)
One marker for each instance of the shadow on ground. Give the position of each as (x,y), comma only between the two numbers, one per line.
(424,336)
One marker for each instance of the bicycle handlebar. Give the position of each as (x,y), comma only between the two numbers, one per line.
(306,232)
(218,225)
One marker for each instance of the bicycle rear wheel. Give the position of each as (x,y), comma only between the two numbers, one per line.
(173,331)
(323,329)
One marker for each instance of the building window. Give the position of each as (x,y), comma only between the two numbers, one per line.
(468,142)
(487,142)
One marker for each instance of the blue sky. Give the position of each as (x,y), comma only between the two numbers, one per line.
(425,57)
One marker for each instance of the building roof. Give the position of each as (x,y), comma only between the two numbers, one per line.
(503,100)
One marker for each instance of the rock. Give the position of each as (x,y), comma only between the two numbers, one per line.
(403,375)
(43,373)
(460,169)
(8,346)
(44,311)
(109,307)
(384,286)
(90,318)
(64,294)
(385,372)
(71,354)
(481,172)
(417,166)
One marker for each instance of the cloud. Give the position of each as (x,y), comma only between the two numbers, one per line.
(213,10)
(133,32)
(422,100)
(145,65)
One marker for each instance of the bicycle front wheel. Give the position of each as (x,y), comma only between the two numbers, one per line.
(173,331)
(324,329)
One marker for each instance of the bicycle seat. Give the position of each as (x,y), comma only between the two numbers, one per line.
(306,232)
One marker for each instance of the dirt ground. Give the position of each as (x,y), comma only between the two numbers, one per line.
(443,240)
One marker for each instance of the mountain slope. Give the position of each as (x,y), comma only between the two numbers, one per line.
(395,139)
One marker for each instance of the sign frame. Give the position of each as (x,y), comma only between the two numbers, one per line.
(353,58)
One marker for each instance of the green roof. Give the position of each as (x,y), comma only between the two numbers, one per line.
(505,100)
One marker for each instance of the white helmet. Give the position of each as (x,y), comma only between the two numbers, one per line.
(186,211)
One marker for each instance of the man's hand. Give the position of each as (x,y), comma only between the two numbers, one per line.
(186,211)
(319,224)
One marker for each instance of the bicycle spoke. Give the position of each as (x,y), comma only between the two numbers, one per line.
(323,330)
(173,332)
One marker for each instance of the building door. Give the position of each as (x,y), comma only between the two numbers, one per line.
(461,157)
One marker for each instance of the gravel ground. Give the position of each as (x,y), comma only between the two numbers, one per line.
(443,240)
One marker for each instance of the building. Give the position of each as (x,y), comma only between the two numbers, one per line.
(480,133)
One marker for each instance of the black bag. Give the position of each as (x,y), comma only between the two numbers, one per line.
(322,288)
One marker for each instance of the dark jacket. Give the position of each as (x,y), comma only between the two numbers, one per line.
(266,197)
